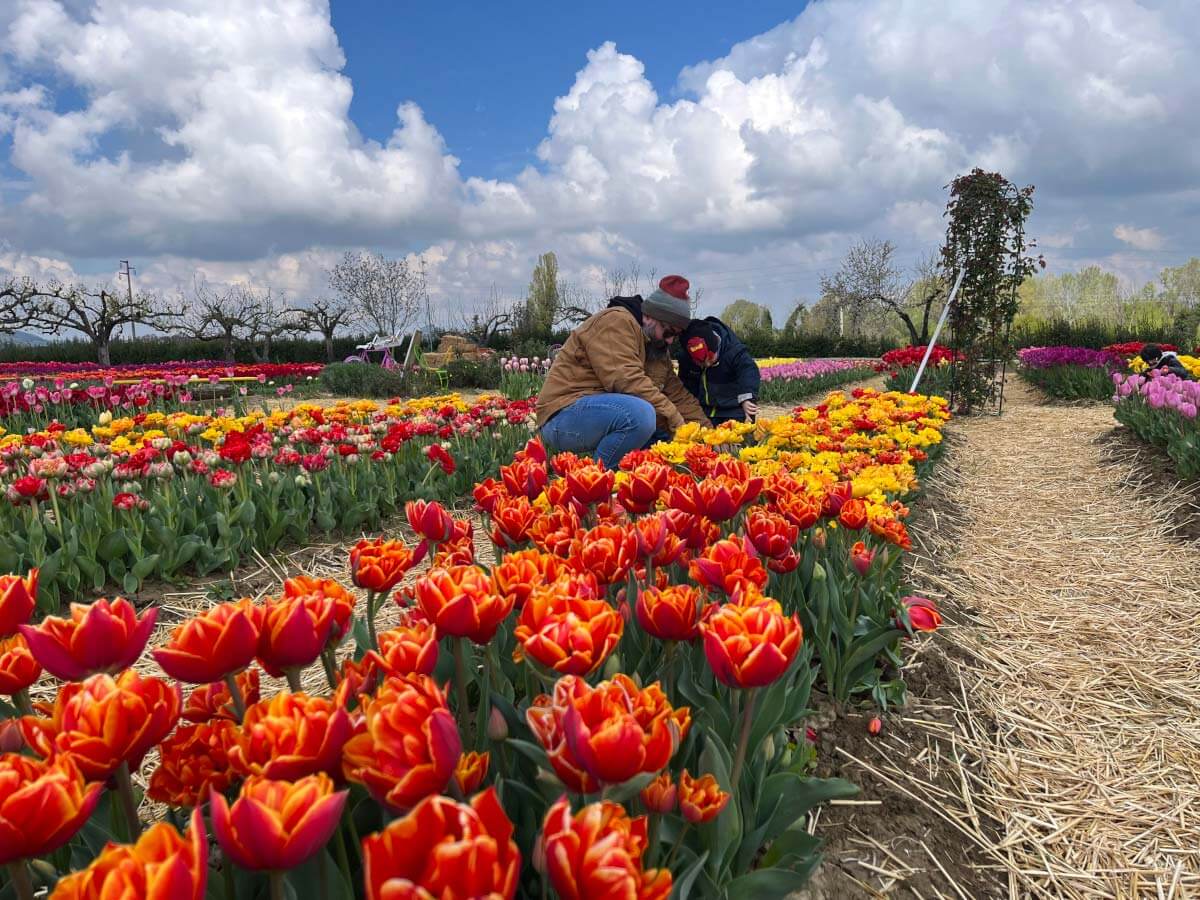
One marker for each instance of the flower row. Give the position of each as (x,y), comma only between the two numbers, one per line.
(203,368)
(1162,409)
(157,495)
(651,634)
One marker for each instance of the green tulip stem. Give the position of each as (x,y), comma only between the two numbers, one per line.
(740,757)
(133,825)
(460,683)
(678,843)
(21,699)
(235,696)
(227,876)
(372,608)
(20,879)
(293,680)
(327,662)
(276,885)
(339,848)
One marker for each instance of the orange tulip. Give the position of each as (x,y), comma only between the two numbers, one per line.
(597,853)
(656,541)
(18,668)
(800,508)
(728,566)
(212,701)
(700,799)
(554,532)
(105,636)
(565,628)
(524,478)
(670,614)
(606,551)
(462,602)
(697,532)
(835,498)
(161,865)
(891,530)
(192,759)
(411,745)
(217,642)
(104,722)
(617,731)
(410,648)
(875,726)
(589,483)
(444,849)
(771,533)
(853,514)
(750,645)
(545,717)
(718,497)
(380,565)
(343,600)
(429,519)
(290,736)
(18,597)
(487,493)
(659,796)
(277,825)
(520,573)
(512,517)
(295,629)
(472,769)
(454,552)
(639,492)
(42,804)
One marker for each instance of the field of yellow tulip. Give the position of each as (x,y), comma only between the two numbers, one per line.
(614,707)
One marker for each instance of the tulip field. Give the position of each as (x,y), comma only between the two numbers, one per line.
(610,701)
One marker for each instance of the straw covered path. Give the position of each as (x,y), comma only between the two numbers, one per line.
(1075,608)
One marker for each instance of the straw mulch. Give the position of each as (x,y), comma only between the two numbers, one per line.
(1077,745)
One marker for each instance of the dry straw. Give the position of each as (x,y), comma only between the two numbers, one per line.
(1077,747)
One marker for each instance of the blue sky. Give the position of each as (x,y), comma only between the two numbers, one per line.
(487,73)
(220,139)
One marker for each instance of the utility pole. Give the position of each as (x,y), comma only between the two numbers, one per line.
(127,271)
(842,321)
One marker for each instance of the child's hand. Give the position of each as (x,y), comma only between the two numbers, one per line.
(750,408)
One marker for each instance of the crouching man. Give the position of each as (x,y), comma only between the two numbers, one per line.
(612,386)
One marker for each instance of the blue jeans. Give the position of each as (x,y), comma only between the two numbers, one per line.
(606,426)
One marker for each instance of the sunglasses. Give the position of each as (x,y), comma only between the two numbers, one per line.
(669,333)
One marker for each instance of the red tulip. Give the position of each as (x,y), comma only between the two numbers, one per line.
(589,483)
(18,667)
(639,492)
(220,641)
(520,573)
(290,736)
(728,566)
(700,799)
(429,520)
(213,701)
(861,558)
(295,629)
(103,722)
(772,535)
(277,825)
(162,865)
(343,600)
(923,613)
(192,760)
(752,645)
(597,853)
(670,614)
(853,514)
(875,726)
(606,551)
(462,602)
(42,804)
(443,849)
(101,637)
(18,597)
(379,565)
(410,648)
(470,772)
(566,628)
(659,796)
(411,745)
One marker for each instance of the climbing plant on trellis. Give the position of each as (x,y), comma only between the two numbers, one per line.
(985,237)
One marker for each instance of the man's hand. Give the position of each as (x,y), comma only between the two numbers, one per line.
(750,408)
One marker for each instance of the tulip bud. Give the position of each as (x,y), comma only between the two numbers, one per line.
(497,727)
(819,538)
(768,748)
(106,418)
(613,666)
(875,726)
(818,572)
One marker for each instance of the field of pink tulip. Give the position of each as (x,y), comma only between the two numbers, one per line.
(611,703)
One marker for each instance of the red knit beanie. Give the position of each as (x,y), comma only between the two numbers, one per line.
(675,285)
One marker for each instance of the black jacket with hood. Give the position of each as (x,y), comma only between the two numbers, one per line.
(723,386)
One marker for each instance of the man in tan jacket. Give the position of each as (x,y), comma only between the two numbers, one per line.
(612,386)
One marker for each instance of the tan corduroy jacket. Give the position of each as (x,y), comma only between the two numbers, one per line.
(607,355)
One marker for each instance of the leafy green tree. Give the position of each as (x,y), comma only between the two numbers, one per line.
(748,319)
(544,297)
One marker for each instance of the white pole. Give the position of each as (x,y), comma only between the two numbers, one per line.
(937,330)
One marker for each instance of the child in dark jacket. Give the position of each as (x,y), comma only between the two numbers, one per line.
(719,371)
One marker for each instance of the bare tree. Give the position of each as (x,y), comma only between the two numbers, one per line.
(327,317)
(230,314)
(98,314)
(388,293)
(271,321)
(870,280)
(15,296)
(575,304)
(490,317)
